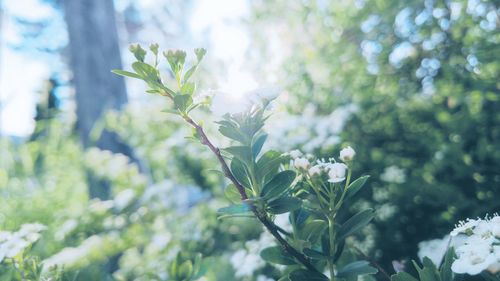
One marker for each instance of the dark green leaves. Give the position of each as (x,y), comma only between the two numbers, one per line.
(315,254)
(276,255)
(269,163)
(278,185)
(284,204)
(257,144)
(302,275)
(355,269)
(403,276)
(355,223)
(240,173)
(428,271)
(356,186)
(312,230)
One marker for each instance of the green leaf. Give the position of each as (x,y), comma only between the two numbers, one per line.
(428,272)
(278,185)
(268,164)
(234,209)
(233,133)
(242,153)
(315,254)
(126,73)
(257,145)
(232,194)
(299,216)
(284,204)
(182,102)
(185,270)
(190,72)
(445,272)
(355,186)
(403,276)
(276,255)
(240,173)
(355,223)
(303,275)
(313,230)
(355,269)
(188,88)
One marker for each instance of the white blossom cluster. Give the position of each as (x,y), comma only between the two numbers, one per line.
(393,174)
(476,243)
(14,243)
(481,248)
(309,130)
(336,171)
(247,260)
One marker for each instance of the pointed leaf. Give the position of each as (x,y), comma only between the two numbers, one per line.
(284,205)
(276,255)
(278,185)
(355,186)
(355,269)
(243,153)
(234,209)
(257,145)
(240,173)
(126,73)
(315,254)
(355,223)
(232,194)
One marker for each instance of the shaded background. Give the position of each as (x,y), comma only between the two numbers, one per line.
(411,85)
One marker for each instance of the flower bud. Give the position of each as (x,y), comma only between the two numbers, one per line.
(347,154)
(301,163)
(315,170)
(337,172)
(295,153)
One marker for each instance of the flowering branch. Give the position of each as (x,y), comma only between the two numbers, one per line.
(262,217)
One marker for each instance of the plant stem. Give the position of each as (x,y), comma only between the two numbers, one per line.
(262,217)
(331,234)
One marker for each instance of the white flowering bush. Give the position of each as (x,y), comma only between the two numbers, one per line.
(263,184)
(471,249)
(480,249)
(16,260)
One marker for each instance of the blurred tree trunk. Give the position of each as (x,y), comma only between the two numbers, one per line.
(94,52)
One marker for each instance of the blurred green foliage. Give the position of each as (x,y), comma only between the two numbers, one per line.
(424,78)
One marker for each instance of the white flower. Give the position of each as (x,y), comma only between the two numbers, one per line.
(393,174)
(315,170)
(337,172)
(433,249)
(473,257)
(295,154)
(13,246)
(347,154)
(301,163)
(124,198)
(464,227)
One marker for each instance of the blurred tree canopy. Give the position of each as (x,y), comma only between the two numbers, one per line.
(424,78)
